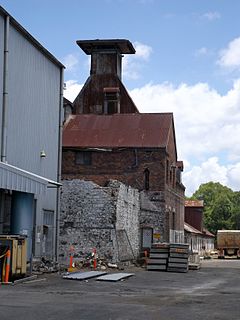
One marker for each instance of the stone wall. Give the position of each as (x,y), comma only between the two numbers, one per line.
(105,218)
(127,212)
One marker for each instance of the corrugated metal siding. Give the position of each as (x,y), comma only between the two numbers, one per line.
(34,84)
(12,179)
(1,69)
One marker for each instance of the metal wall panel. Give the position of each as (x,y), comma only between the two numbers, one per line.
(1,68)
(34,84)
(33,118)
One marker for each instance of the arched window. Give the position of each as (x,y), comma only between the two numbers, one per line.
(146,179)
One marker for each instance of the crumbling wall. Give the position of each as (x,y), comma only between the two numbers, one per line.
(127,221)
(105,218)
(87,220)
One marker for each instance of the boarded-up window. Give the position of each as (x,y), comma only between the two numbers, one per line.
(111,100)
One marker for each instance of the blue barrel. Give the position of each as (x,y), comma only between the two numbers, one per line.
(22,217)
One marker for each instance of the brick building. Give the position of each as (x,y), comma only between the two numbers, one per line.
(107,138)
(199,238)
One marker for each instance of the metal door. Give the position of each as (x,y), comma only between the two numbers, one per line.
(48,228)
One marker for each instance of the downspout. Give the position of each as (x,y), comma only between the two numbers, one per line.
(5,91)
(59,165)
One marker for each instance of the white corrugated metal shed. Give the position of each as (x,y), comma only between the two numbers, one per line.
(14,178)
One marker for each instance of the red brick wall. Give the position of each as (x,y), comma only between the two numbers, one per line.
(194,217)
(126,166)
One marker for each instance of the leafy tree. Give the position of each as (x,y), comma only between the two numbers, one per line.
(221,206)
(236,210)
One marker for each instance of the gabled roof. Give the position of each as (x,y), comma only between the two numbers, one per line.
(30,38)
(208,233)
(66,101)
(191,229)
(146,130)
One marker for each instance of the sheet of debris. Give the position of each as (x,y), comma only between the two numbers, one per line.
(81,275)
(115,276)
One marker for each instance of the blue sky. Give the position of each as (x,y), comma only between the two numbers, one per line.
(187,62)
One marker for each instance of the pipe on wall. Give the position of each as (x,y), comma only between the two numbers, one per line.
(59,166)
(5,91)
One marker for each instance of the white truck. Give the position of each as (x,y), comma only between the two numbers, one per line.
(228,243)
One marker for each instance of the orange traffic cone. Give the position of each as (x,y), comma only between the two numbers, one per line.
(7,268)
(94,258)
(70,268)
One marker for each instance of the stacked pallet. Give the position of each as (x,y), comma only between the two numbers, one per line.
(178,257)
(158,257)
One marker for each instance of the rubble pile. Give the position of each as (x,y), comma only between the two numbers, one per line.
(45,266)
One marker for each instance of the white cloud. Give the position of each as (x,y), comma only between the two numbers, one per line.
(233,176)
(70,62)
(143,51)
(212,170)
(202,52)
(72,89)
(207,126)
(209,170)
(211,15)
(132,64)
(230,57)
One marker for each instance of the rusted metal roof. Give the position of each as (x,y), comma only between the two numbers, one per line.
(208,233)
(122,45)
(194,203)
(149,130)
(191,229)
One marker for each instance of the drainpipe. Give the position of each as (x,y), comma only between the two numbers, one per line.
(5,91)
(59,165)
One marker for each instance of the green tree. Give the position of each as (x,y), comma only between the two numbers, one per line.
(219,206)
(236,210)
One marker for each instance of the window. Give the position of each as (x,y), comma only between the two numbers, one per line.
(83,157)
(179,175)
(111,100)
(146,179)
(167,172)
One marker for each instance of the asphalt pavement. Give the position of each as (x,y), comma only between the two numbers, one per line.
(213,292)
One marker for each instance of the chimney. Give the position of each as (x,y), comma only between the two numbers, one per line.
(106,55)
(103,92)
